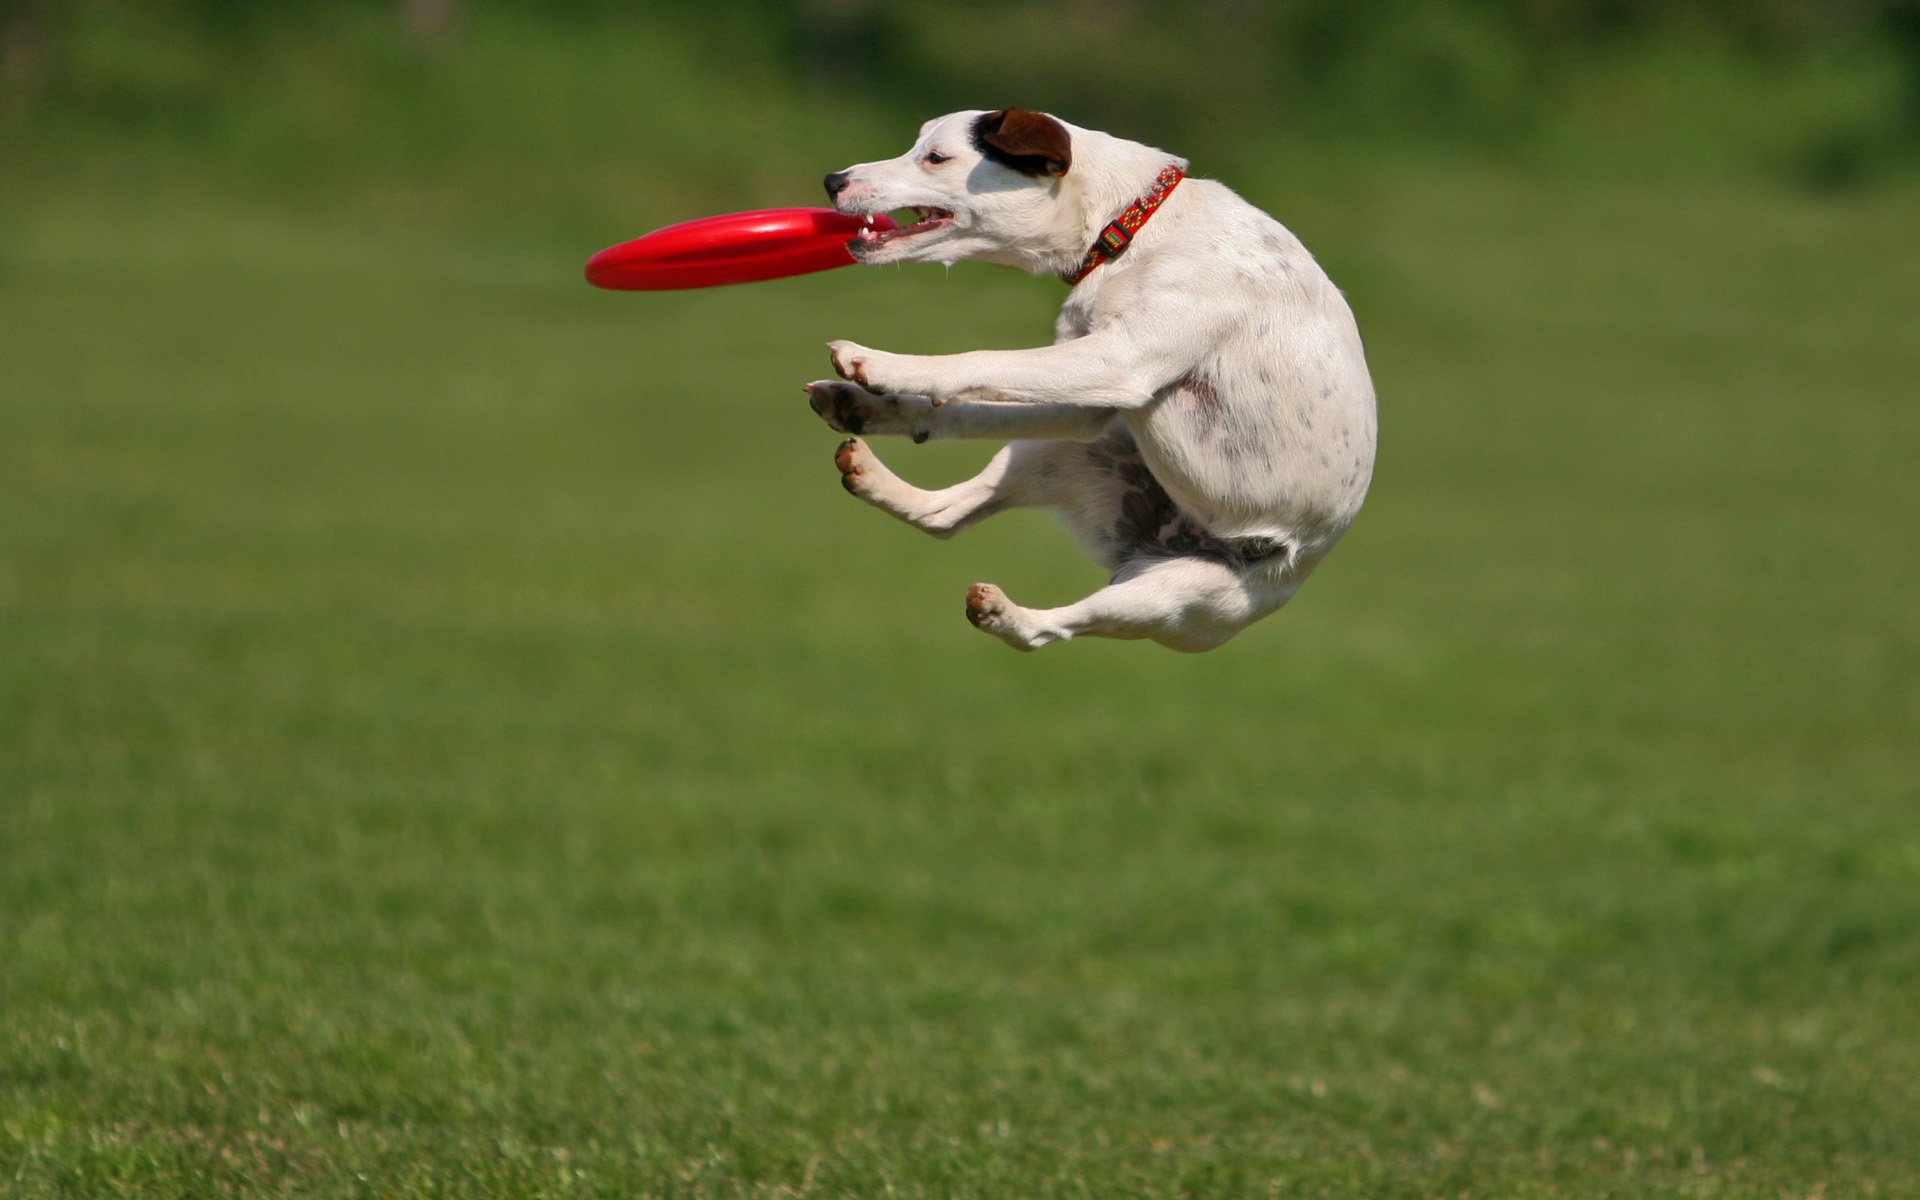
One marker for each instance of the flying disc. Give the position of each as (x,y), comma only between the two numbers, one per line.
(741,247)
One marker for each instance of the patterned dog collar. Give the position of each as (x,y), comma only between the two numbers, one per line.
(1118,235)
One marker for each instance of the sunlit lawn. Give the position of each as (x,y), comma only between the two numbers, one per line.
(457,738)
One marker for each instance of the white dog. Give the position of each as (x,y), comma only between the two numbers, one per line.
(1203,422)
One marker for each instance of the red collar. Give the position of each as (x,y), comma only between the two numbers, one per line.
(1118,235)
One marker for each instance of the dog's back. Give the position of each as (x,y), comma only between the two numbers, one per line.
(1270,431)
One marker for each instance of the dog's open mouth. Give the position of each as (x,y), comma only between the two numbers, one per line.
(909,221)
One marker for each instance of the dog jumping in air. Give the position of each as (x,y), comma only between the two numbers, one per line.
(1203,422)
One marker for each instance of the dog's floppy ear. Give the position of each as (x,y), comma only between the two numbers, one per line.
(1029,142)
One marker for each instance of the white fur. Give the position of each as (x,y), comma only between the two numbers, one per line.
(1204,421)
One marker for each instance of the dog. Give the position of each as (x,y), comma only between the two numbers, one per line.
(1204,421)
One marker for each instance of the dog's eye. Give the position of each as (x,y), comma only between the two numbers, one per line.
(935,158)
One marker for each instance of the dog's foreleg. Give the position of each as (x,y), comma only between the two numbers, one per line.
(1018,475)
(1189,604)
(852,409)
(1101,370)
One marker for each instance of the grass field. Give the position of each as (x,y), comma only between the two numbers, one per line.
(456,737)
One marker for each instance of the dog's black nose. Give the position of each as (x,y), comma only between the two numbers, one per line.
(836,183)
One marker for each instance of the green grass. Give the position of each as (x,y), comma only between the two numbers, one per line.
(456,737)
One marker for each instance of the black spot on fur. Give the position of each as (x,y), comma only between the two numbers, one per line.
(1145,510)
(1151,523)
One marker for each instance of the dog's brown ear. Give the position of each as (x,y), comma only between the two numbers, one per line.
(1029,142)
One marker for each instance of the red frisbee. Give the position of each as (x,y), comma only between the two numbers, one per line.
(732,248)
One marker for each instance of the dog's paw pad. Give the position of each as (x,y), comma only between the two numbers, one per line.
(985,603)
(989,609)
(837,404)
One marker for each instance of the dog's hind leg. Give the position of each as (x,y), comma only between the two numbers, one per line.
(1190,604)
(1021,474)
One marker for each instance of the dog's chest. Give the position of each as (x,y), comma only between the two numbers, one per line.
(1076,317)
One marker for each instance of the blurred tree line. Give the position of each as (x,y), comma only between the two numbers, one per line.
(1827,88)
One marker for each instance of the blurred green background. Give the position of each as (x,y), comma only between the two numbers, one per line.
(457,738)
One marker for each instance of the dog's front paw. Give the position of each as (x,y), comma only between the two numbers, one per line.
(881,373)
(842,405)
(853,362)
(851,409)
